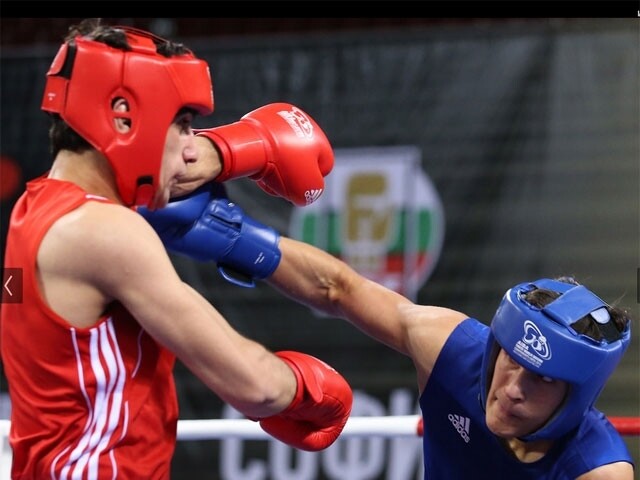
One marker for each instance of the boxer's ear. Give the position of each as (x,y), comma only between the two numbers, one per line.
(122,123)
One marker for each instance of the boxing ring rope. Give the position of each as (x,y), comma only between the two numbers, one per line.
(389,426)
(386,426)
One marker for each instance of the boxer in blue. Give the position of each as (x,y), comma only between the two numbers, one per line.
(511,400)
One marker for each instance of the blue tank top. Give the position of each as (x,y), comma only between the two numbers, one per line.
(457,443)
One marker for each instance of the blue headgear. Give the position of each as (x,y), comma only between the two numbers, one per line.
(542,341)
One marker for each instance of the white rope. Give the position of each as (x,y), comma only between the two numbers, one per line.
(391,426)
(218,429)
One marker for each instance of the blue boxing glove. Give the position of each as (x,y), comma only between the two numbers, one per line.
(177,218)
(208,227)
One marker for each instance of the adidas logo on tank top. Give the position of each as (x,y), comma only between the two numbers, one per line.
(461,425)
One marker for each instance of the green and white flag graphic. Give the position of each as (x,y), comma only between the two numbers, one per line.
(380,213)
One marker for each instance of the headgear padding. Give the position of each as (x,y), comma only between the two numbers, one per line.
(87,76)
(541,340)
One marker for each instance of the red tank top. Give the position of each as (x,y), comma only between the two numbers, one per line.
(90,403)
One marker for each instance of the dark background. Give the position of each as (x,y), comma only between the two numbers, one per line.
(528,128)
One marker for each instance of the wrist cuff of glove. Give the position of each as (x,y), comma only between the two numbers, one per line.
(300,385)
(306,381)
(242,150)
(252,251)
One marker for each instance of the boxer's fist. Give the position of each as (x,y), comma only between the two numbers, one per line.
(207,226)
(177,217)
(320,409)
(280,147)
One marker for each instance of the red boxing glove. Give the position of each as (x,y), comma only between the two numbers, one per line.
(280,147)
(319,410)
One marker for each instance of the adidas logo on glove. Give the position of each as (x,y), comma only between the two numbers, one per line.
(312,195)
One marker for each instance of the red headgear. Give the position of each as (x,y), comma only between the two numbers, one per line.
(85,79)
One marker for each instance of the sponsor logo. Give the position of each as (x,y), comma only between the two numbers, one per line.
(380,213)
(312,195)
(298,121)
(461,425)
(533,347)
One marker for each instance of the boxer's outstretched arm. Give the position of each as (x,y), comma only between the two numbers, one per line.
(220,231)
